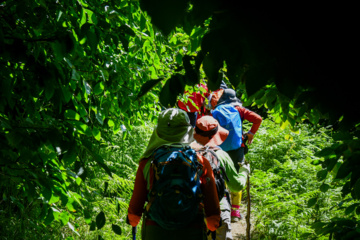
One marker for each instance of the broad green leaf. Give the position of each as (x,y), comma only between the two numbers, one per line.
(78,181)
(87,217)
(321,175)
(325,152)
(99,117)
(351,208)
(50,217)
(148,86)
(111,123)
(83,17)
(100,220)
(81,128)
(87,88)
(96,133)
(64,217)
(153,72)
(116,229)
(358,211)
(324,187)
(92,226)
(311,202)
(357,189)
(344,170)
(71,114)
(54,199)
(99,88)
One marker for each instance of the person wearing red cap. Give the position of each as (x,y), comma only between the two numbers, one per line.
(173,127)
(208,133)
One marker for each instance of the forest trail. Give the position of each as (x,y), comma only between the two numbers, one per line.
(238,229)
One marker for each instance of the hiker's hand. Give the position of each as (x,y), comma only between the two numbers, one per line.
(246,167)
(250,137)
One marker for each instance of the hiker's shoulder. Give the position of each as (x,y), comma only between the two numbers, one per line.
(143,162)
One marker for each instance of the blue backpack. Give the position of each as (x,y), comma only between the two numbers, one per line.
(175,195)
(229,118)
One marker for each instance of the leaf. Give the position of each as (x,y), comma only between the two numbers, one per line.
(83,18)
(71,114)
(100,220)
(325,152)
(92,226)
(64,217)
(81,128)
(87,216)
(116,229)
(357,189)
(311,202)
(324,187)
(351,208)
(111,123)
(358,211)
(87,88)
(99,117)
(50,217)
(70,156)
(99,88)
(321,175)
(96,133)
(148,86)
(344,170)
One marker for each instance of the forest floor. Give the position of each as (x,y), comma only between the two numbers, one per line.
(238,229)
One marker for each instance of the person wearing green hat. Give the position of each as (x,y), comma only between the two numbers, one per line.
(209,133)
(173,127)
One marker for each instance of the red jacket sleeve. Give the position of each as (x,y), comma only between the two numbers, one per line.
(250,116)
(137,202)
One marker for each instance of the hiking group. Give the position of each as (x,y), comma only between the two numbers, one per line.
(189,180)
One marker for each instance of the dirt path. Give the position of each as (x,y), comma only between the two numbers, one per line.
(238,229)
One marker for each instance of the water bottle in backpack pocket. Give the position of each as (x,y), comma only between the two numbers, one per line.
(229,118)
(175,194)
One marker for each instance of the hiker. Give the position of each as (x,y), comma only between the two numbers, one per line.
(194,107)
(225,100)
(173,128)
(209,134)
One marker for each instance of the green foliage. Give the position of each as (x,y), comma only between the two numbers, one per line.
(76,73)
(294,195)
(70,74)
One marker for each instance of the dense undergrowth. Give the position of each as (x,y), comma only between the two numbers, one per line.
(289,196)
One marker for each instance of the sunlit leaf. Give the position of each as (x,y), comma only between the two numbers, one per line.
(71,114)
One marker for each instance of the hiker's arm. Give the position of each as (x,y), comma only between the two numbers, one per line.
(211,200)
(138,198)
(237,181)
(252,117)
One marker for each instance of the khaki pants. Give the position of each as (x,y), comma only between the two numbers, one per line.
(224,231)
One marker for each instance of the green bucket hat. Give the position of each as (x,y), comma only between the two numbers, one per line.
(173,127)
